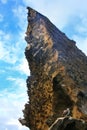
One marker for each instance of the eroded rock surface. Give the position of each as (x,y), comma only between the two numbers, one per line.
(58,77)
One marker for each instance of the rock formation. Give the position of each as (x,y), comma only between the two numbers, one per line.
(58,77)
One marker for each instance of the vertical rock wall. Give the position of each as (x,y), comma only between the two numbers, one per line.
(58,77)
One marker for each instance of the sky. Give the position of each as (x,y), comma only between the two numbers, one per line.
(69,16)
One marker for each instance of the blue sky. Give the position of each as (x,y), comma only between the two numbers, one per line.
(69,16)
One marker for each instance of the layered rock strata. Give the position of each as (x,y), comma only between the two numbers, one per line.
(58,74)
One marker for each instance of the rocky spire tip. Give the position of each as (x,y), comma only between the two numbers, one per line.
(31,12)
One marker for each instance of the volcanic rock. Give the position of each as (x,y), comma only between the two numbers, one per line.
(58,76)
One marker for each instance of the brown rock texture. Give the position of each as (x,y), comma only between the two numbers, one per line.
(58,77)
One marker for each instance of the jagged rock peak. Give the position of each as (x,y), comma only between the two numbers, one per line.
(58,77)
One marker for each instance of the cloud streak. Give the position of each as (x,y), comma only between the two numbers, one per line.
(8,52)
(13,93)
(20,13)
(11,104)
(23,67)
(11,52)
(4,1)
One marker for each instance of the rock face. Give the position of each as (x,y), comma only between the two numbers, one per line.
(58,77)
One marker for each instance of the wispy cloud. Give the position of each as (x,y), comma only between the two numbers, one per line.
(12,51)
(13,122)
(4,1)
(20,13)
(17,81)
(4,36)
(23,67)
(13,94)
(7,50)
(11,104)
(7,54)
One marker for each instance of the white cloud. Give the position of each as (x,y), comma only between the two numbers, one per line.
(7,50)
(4,36)
(11,105)
(11,79)
(11,51)
(20,13)
(15,122)
(17,81)
(7,53)
(23,67)
(4,1)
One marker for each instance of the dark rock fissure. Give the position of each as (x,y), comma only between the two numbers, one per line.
(71,127)
(60,96)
